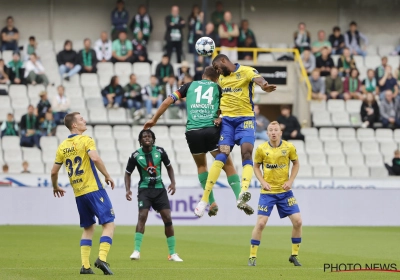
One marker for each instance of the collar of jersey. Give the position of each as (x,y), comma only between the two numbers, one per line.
(280,143)
(150,150)
(237,66)
(72,135)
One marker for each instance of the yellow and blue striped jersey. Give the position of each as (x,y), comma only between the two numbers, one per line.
(276,163)
(238,92)
(82,173)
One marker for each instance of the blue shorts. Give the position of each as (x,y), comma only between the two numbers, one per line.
(94,204)
(285,203)
(237,131)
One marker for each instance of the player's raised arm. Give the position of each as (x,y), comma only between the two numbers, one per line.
(98,162)
(57,191)
(264,84)
(160,111)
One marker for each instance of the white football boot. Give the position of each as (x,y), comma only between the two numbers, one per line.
(135,255)
(174,258)
(200,208)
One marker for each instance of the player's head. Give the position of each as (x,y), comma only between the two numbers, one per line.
(75,122)
(147,138)
(221,64)
(210,74)
(274,131)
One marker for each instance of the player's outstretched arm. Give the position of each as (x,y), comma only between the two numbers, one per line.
(171,175)
(295,169)
(98,162)
(260,177)
(164,106)
(127,180)
(264,84)
(57,191)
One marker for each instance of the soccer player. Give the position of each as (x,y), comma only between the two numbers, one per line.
(78,153)
(202,127)
(238,125)
(275,156)
(151,191)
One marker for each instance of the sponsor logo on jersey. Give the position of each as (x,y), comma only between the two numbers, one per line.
(229,89)
(275,166)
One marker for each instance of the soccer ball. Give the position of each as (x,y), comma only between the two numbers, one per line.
(205,46)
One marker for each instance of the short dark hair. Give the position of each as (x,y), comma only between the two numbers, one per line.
(67,42)
(283,107)
(336,28)
(353,23)
(131,75)
(32,38)
(86,39)
(219,57)
(113,81)
(141,136)
(165,55)
(210,72)
(69,119)
(10,17)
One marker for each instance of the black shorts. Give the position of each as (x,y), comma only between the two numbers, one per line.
(202,141)
(155,198)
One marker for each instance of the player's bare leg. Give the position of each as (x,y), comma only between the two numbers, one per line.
(105,246)
(256,238)
(140,227)
(86,246)
(296,237)
(169,233)
(247,173)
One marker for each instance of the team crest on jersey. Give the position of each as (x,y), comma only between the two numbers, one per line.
(156,155)
(238,76)
(101,199)
(221,138)
(267,153)
(284,153)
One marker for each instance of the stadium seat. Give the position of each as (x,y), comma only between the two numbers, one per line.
(114,168)
(363,72)
(161,132)
(314,146)
(104,80)
(91,92)
(372,61)
(103,131)
(316,106)
(173,120)
(299,145)
(346,134)
(355,120)
(34,90)
(17,91)
(12,155)
(5,103)
(7,56)
(303,158)
(317,159)
(188,169)
(394,62)
(340,119)
(18,113)
(360,171)
(124,155)
(48,156)
(374,160)
(341,171)
(123,68)
(49,165)
(95,103)
(143,79)
(336,160)
(10,143)
(335,58)
(177,130)
(89,80)
(370,148)
(185,157)
(20,103)
(365,134)
(388,148)
(322,171)
(126,144)
(121,132)
(359,60)
(15,167)
(310,133)
(32,155)
(335,105)
(105,68)
(89,130)
(180,144)
(378,172)
(355,160)
(74,92)
(305,172)
(371,50)
(383,135)
(353,106)
(351,147)
(333,147)
(266,57)
(386,50)
(397,135)
(321,118)
(124,79)
(73,82)
(49,142)
(62,133)
(108,156)
(117,115)
(77,104)
(327,133)
(141,68)
(106,144)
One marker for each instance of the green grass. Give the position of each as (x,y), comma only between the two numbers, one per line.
(52,252)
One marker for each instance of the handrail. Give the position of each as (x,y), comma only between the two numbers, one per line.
(297,57)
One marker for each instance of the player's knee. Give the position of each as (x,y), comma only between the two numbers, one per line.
(260,225)
(246,155)
(142,217)
(168,224)
(297,223)
(225,149)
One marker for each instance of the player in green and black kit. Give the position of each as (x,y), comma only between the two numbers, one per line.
(151,190)
(202,127)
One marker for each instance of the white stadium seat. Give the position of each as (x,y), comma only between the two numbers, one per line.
(32,154)
(117,115)
(314,146)
(397,135)
(372,61)
(317,159)
(388,148)
(89,80)
(74,92)
(317,106)
(333,147)
(161,132)
(370,148)
(122,132)
(299,145)
(371,50)
(328,133)
(305,172)
(355,160)
(5,103)
(335,105)
(12,156)
(303,158)
(341,171)
(10,143)
(188,169)
(321,118)
(49,142)
(126,144)
(374,160)
(351,147)
(109,156)
(378,172)
(62,133)
(310,133)
(141,68)
(98,115)
(103,131)
(114,168)
(360,171)
(15,167)
(353,106)
(384,135)
(17,91)
(73,82)
(346,134)
(359,60)
(106,144)
(340,119)
(91,92)
(393,61)
(322,171)
(105,68)
(365,135)
(386,50)
(336,160)
(122,68)
(34,90)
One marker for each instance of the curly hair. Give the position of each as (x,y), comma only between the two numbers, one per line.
(141,136)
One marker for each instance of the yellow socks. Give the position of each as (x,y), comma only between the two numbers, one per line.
(296,245)
(213,175)
(247,174)
(254,247)
(86,246)
(105,245)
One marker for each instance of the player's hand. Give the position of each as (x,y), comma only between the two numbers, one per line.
(217,122)
(268,88)
(265,186)
(287,185)
(58,192)
(171,189)
(149,124)
(110,182)
(129,195)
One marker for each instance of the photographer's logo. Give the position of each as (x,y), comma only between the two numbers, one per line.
(354,267)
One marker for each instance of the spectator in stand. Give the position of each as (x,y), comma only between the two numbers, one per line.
(212,33)
(388,82)
(5,169)
(262,124)
(370,84)
(337,41)
(60,105)
(139,48)
(43,106)
(122,49)
(182,71)
(308,60)
(173,35)
(317,85)
(175,108)
(16,69)
(325,62)
(192,21)
(48,126)
(246,32)
(113,94)
(369,111)
(390,110)
(289,124)
(353,39)
(187,79)
(103,48)
(396,75)
(302,38)
(164,70)
(132,95)
(171,86)
(352,86)
(25,167)
(394,170)
(119,20)
(322,43)
(9,127)
(143,23)
(199,68)
(346,63)
(228,34)
(217,17)
(153,94)
(87,58)
(30,48)
(334,85)
(68,61)
(4,79)
(30,133)
(34,72)
(249,43)
(9,36)
(380,70)
(198,32)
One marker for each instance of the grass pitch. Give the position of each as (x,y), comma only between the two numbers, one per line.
(52,252)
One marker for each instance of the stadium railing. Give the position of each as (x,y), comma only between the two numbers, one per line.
(296,56)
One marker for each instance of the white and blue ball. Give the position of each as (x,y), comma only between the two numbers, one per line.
(205,46)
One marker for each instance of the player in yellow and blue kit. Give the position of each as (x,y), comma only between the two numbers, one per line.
(275,156)
(238,125)
(78,153)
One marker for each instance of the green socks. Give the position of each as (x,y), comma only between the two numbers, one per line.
(138,241)
(203,180)
(171,245)
(234,182)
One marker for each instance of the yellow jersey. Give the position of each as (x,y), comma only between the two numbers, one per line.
(82,173)
(276,163)
(238,92)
